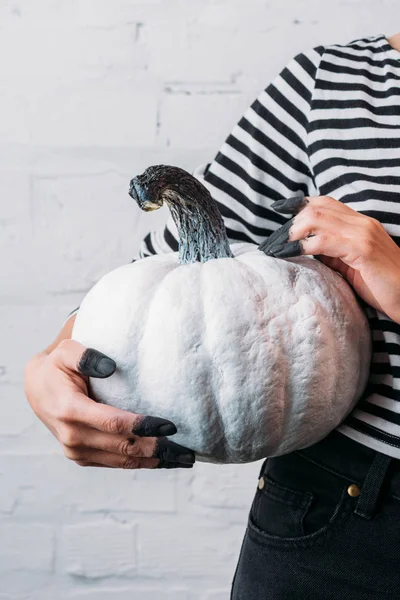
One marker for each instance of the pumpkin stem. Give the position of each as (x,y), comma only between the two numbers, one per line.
(201,230)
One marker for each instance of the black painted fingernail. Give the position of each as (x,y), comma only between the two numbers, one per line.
(290,205)
(96,364)
(173,465)
(167,429)
(172,452)
(106,366)
(288,250)
(285,200)
(273,249)
(278,237)
(186,458)
(154,426)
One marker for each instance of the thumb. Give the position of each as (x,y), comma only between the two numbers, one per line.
(74,356)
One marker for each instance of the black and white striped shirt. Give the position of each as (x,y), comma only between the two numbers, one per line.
(328,125)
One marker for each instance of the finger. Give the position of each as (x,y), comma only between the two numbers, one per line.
(313,211)
(290,205)
(168,451)
(294,239)
(114,420)
(332,204)
(74,356)
(317,213)
(161,448)
(173,465)
(277,237)
(109,459)
(318,244)
(296,204)
(290,249)
(320,222)
(93,363)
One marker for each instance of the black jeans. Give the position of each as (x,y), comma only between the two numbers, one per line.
(324,525)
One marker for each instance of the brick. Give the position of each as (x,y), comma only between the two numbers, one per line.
(27,329)
(15,14)
(183,547)
(83,219)
(123,117)
(47,486)
(137,491)
(26,546)
(39,442)
(108,58)
(28,585)
(15,184)
(100,549)
(16,416)
(9,493)
(186,61)
(15,231)
(14,129)
(103,14)
(135,591)
(198,120)
(218,595)
(232,486)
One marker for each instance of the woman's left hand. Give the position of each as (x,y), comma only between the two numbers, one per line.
(356,246)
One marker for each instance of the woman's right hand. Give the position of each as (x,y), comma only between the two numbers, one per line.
(93,434)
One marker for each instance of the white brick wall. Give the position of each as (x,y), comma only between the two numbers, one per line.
(92,92)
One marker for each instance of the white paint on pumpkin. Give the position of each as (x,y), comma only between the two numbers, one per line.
(249,356)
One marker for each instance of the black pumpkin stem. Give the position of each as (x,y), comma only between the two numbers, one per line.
(201,230)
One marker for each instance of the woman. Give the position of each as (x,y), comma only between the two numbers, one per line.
(324,140)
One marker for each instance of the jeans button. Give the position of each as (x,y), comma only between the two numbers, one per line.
(261,483)
(353,490)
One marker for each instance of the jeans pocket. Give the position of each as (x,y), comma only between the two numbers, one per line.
(298,503)
(279,510)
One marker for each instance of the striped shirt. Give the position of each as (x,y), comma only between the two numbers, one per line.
(327,125)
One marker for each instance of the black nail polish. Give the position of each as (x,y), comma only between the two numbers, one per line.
(288,250)
(273,249)
(154,426)
(281,201)
(96,364)
(185,458)
(290,205)
(173,465)
(172,452)
(279,236)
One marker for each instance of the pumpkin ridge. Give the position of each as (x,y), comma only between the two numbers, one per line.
(144,317)
(273,321)
(214,404)
(258,304)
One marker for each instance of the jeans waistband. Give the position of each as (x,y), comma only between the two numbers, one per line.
(345,457)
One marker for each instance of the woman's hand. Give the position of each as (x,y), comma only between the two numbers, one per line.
(93,434)
(356,246)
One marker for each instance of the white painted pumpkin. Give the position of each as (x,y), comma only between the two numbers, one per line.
(249,355)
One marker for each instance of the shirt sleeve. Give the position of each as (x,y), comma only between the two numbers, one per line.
(263,159)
